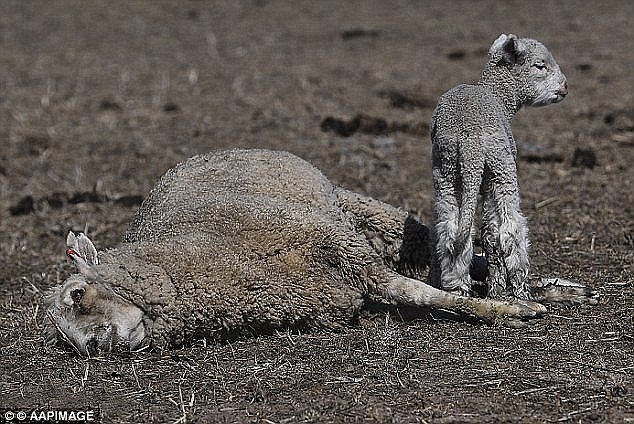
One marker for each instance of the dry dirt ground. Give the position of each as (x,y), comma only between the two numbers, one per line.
(98,99)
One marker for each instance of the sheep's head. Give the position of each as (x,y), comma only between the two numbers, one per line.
(86,313)
(537,77)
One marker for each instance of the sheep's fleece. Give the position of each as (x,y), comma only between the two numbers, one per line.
(240,242)
(243,242)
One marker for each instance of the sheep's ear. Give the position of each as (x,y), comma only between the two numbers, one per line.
(82,251)
(507,50)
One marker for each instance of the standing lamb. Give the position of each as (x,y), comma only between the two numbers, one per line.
(248,241)
(473,151)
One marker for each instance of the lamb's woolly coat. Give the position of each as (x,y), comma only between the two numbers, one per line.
(474,152)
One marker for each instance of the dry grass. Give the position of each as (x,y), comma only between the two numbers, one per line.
(102,99)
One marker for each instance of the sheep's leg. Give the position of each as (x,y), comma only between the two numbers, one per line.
(367,269)
(408,291)
(559,290)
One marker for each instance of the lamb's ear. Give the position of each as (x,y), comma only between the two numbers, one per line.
(507,50)
(498,44)
(82,251)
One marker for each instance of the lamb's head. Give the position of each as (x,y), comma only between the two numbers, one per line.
(86,313)
(537,79)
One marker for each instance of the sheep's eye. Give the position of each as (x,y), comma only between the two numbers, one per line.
(540,65)
(77,295)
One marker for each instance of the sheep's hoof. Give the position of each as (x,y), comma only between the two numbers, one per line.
(536,308)
(559,290)
(521,313)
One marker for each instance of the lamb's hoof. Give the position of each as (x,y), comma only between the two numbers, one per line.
(559,290)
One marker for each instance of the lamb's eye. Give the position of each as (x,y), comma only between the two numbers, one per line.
(540,65)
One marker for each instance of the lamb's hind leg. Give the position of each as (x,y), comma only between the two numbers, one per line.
(505,240)
(455,209)
(449,271)
(496,277)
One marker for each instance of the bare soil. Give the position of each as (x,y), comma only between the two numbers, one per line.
(98,99)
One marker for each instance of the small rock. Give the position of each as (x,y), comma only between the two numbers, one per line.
(359,33)
(456,55)
(85,197)
(339,126)
(584,158)
(371,125)
(109,104)
(25,206)
(129,201)
(56,200)
(171,107)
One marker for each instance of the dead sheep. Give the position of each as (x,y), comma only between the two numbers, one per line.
(243,242)
(474,152)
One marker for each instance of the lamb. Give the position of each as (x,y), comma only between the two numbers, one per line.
(474,152)
(242,242)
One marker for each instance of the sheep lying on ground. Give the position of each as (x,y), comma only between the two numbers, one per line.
(244,242)
(473,151)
